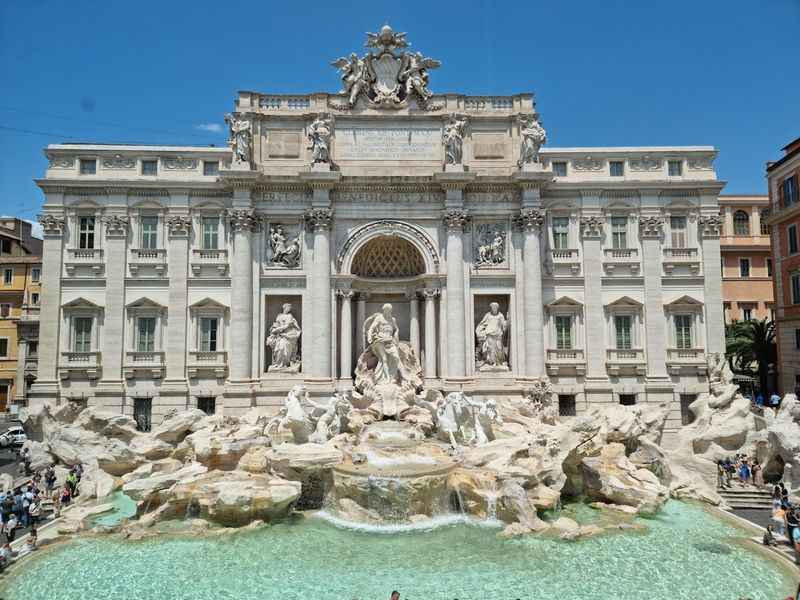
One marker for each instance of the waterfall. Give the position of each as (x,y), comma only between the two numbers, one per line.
(491,506)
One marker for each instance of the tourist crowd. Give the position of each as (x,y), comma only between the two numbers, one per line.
(741,469)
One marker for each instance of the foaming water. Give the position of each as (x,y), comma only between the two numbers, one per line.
(320,559)
(427,525)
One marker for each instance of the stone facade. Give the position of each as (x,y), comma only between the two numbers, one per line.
(603,261)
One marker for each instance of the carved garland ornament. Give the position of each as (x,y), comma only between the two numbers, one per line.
(242,220)
(179,225)
(179,164)
(530,219)
(319,219)
(705,163)
(650,227)
(587,164)
(57,162)
(711,225)
(116,225)
(386,227)
(591,227)
(644,164)
(51,224)
(119,162)
(456,219)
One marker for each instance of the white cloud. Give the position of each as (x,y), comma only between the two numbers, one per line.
(212,127)
(36,230)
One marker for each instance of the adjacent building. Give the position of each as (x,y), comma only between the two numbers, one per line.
(20,293)
(172,274)
(746,258)
(783,176)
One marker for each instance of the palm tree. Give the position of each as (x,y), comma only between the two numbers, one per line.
(752,342)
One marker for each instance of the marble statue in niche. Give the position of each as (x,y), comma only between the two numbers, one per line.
(284,340)
(453,138)
(491,246)
(533,138)
(240,138)
(284,248)
(492,354)
(319,133)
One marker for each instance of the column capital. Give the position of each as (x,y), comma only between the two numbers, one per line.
(650,226)
(242,220)
(346,294)
(52,225)
(430,294)
(456,219)
(116,226)
(319,219)
(710,225)
(591,227)
(179,225)
(530,219)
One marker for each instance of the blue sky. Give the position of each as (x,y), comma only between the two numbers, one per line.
(609,72)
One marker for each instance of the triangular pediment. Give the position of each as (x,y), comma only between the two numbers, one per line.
(625,301)
(208,303)
(144,302)
(81,303)
(565,301)
(685,301)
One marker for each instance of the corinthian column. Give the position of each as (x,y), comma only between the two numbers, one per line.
(319,220)
(430,332)
(455,220)
(243,223)
(531,220)
(346,335)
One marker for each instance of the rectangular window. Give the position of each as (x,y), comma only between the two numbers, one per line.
(33,348)
(8,276)
(791,233)
(623,329)
(149,233)
(35,298)
(675,168)
(747,314)
(677,227)
(560,169)
(5,246)
(683,331)
(566,405)
(560,233)
(36,275)
(210,167)
(563,333)
(210,233)
(208,334)
(790,190)
(208,404)
(627,399)
(88,166)
(4,347)
(796,288)
(616,168)
(149,167)
(146,334)
(744,267)
(619,233)
(686,415)
(769,267)
(797,339)
(143,413)
(5,310)
(82,334)
(86,232)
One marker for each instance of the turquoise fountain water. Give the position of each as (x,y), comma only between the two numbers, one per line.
(686,554)
(124,508)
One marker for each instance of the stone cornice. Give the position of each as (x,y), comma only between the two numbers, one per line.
(320,180)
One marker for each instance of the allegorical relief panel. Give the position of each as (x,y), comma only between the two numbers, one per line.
(283,246)
(283,144)
(490,242)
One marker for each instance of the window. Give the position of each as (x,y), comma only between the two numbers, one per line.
(208,404)
(790,190)
(563,332)
(627,399)
(208,334)
(86,232)
(560,169)
(36,275)
(623,330)
(5,246)
(764,225)
(149,167)
(796,288)
(5,310)
(210,233)
(8,276)
(149,233)
(616,168)
(4,347)
(145,334)
(747,313)
(560,233)
(744,267)
(35,298)
(677,227)
(82,340)
(210,167)
(769,267)
(619,232)
(143,413)
(791,233)
(797,339)
(566,405)
(683,331)
(741,223)
(33,348)
(675,168)
(686,415)
(88,166)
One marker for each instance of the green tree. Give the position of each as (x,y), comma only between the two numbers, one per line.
(750,348)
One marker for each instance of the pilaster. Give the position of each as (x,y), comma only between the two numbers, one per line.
(531,220)
(242,223)
(179,228)
(319,221)
(591,228)
(455,220)
(651,233)
(709,225)
(115,227)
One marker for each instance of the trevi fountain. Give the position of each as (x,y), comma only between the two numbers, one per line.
(456,478)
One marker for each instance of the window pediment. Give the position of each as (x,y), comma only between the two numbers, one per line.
(624,302)
(145,303)
(83,303)
(208,304)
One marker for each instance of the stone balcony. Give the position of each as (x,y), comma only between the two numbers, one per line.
(563,260)
(629,360)
(148,364)
(86,363)
(154,260)
(572,359)
(619,260)
(686,359)
(685,259)
(216,260)
(215,363)
(84,259)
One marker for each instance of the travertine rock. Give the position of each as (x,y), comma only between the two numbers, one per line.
(149,489)
(176,428)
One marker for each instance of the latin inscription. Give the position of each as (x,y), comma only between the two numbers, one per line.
(388,143)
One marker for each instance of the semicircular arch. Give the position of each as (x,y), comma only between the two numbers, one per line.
(388,229)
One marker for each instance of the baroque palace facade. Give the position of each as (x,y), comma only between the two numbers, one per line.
(195,276)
